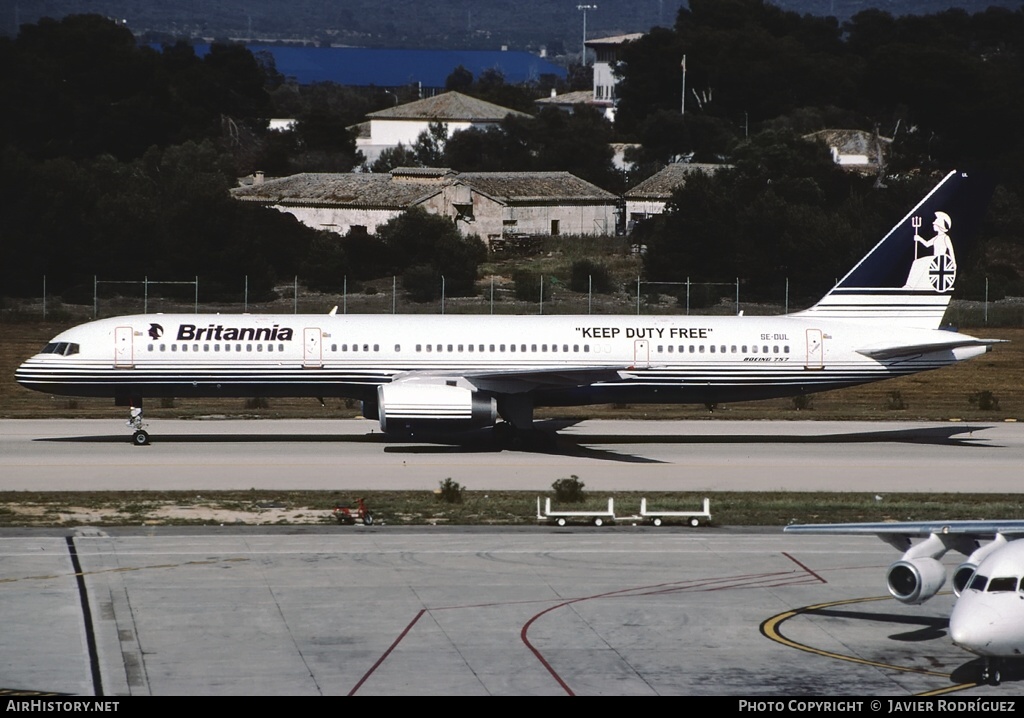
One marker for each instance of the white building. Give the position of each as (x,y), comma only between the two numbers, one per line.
(488,205)
(403,124)
(653,194)
(603,95)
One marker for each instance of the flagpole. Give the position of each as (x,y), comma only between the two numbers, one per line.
(682,102)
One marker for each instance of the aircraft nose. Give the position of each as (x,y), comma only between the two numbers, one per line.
(975,629)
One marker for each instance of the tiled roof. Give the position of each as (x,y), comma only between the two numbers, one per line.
(851,142)
(535,186)
(407,186)
(338,189)
(568,98)
(662,184)
(447,107)
(615,39)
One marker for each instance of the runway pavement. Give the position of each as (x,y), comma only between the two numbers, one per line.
(78,455)
(353,610)
(544,611)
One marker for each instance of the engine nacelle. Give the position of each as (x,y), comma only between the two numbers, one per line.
(915,580)
(407,406)
(962,575)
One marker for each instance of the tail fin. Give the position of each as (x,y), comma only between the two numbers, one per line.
(907,279)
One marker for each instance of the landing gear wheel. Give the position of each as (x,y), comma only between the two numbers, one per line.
(656,522)
(598,521)
(694,522)
(368,520)
(560,522)
(140,438)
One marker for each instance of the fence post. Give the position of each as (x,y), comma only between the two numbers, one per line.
(44,297)
(245,302)
(638,296)
(95,300)
(442,294)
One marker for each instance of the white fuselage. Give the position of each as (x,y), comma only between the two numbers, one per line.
(988,618)
(559,360)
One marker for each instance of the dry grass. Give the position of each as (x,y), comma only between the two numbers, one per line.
(494,508)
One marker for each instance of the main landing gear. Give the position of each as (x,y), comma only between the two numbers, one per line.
(140,437)
(991,673)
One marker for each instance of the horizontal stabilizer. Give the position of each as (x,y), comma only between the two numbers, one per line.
(894,351)
(974,529)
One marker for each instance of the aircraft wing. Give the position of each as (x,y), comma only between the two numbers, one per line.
(969,529)
(894,351)
(513,381)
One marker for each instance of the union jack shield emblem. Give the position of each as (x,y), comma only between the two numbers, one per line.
(942,273)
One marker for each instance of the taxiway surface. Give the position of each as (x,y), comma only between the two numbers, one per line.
(82,455)
(543,611)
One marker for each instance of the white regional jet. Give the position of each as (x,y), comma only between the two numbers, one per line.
(428,374)
(988,617)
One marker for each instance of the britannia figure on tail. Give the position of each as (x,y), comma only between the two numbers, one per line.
(935,270)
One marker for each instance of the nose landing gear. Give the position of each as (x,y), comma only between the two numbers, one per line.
(140,437)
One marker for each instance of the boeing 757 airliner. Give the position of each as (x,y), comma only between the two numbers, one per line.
(439,373)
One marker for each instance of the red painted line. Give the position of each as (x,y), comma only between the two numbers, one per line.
(812,573)
(538,654)
(387,653)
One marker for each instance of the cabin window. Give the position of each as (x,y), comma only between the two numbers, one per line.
(163,347)
(512,347)
(440,347)
(775,349)
(449,347)
(376,347)
(565,347)
(150,347)
(430,347)
(270,347)
(733,349)
(174,347)
(1002,583)
(398,348)
(216,347)
(206,347)
(419,347)
(765,348)
(470,347)
(712,348)
(184,347)
(744,348)
(460,347)
(586,348)
(785,349)
(576,348)
(522,347)
(248,347)
(492,348)
(259,347)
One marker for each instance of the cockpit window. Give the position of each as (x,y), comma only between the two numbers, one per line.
(978,582)
(1002,583)
(63,348)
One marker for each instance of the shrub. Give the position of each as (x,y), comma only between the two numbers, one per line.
(450,491)
(802,402)
(984,400)
(894,401)
(587,274)
(569,490)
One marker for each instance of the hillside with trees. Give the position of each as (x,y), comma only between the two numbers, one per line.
(116,159)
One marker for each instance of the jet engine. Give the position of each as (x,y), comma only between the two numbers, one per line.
(965,571)
(408,406)
(915,580)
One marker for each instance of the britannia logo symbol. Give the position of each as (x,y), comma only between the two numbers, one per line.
(155,331)
(934,270)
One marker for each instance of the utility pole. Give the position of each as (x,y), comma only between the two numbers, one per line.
(682,102)
(584,8)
